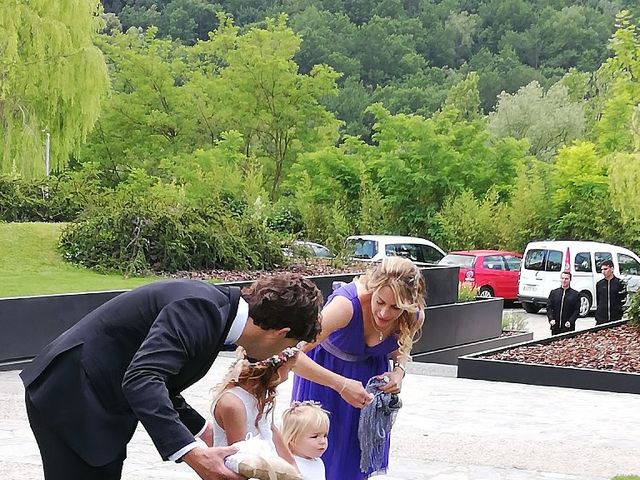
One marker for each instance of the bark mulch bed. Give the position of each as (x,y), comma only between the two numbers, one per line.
(311,267)
(616,349)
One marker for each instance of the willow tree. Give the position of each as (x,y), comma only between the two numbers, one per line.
(52,79)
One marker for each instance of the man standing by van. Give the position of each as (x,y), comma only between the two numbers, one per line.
(610,295)
(563,306)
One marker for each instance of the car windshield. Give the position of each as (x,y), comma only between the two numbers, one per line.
(458,260)
(322,252)
(361,248)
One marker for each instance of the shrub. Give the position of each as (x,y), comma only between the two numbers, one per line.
(514,321)
(156,231)
(633,312)
(51,199)
(466,292)
(285,217)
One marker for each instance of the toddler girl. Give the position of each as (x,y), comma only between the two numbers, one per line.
(305,427)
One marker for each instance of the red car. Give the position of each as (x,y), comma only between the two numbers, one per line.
(494,272)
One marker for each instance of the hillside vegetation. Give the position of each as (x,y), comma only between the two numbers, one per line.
(476,124)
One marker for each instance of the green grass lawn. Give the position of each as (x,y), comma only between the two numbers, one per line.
(31,265)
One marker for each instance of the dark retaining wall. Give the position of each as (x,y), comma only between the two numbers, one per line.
(442,284)
(479,368)
(27,324)
(460,323)
(450,355)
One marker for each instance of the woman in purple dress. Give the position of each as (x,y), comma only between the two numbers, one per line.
(365,324)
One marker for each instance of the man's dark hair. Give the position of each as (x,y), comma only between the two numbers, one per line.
(285,301)
(607,263)
(566,272)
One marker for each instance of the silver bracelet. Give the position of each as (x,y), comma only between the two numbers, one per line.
(401,367)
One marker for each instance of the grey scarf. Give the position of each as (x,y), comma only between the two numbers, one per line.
(376,420)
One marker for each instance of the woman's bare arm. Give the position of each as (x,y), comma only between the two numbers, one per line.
(337,314)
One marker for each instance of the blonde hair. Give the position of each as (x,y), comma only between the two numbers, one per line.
(407,283)
(261,378)
(301,418)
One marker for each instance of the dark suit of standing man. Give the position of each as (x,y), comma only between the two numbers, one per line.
(563,306)
(130,359)
(610,295)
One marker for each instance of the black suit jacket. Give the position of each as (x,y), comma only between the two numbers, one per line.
(610,296)
(563,311)
(129,360)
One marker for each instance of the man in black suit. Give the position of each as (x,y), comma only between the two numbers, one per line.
(563,306)
(611,293)
(130,359)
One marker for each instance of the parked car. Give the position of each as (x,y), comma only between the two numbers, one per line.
(303,248)
(493,272)
(544,261)
(373,248)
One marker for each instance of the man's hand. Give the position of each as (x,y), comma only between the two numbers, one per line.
(567,324)
(552,322)
(208,463)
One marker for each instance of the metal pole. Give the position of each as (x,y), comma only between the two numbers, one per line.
(47,143)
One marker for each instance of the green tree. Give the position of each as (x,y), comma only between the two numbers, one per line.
(465,98)
(326,37)
(547,120)
(624,188)
(417,163)
(527,215)
(394,54)
(619,77)
(187,20)
(581,194)
(149,115)
(467,223)
(501,72)
(52,78)
(423,93)
(574,36)
(260,93)
(350,105)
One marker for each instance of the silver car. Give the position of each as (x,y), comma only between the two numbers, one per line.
(373,248)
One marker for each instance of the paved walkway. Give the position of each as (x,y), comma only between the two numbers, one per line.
(448,429)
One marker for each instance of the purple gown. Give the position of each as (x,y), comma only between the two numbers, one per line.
(345,353)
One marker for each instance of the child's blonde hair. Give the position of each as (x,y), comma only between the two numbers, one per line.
(263,376)
(303,417)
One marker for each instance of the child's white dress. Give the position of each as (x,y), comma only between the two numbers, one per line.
(251,408)
(310,468)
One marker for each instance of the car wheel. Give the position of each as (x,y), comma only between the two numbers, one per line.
(485,292)
(585,304)
(530,307)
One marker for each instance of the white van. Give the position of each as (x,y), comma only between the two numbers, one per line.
(544,261)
